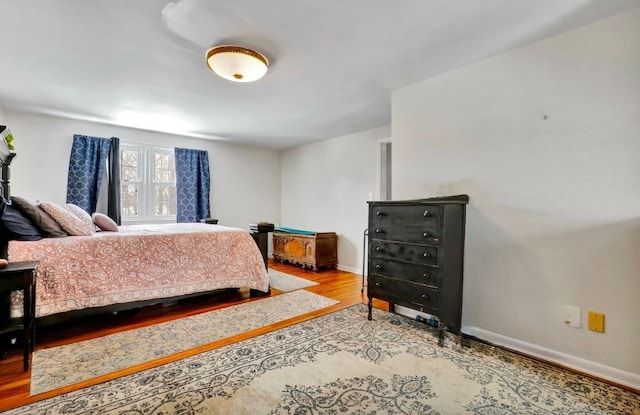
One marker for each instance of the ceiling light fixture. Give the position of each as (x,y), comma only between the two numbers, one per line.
(236,63)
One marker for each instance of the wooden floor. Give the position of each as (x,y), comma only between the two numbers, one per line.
(14,383)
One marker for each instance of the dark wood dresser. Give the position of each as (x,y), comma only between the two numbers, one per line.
(416,253)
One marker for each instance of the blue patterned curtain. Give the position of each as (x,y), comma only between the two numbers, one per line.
(192,184)
(86,169)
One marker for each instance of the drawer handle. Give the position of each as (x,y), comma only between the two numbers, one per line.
(426,234)
(378,248)
(426,213)
(425,296)
(426,255)
(378,266)
(426,276)
(379,213)
(378,230)
(378,284)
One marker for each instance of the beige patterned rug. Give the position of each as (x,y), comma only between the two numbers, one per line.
(286,282)
(56,367)
(341,363)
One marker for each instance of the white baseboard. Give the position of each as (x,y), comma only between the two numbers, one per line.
(586,366)
(349,269)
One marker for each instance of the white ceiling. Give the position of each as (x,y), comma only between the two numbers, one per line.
(333,63)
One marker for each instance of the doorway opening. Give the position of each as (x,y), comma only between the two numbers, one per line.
(384,168)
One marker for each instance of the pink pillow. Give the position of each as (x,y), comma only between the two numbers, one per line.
(82,215)
(104,222)
(66,219)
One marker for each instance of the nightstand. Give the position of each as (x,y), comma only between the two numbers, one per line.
(260,232)
(21,276)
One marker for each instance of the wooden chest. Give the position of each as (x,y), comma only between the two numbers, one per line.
(319,250)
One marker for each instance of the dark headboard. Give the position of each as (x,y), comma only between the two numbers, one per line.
(4,191)
(4,180)
(6,156)
(5,160)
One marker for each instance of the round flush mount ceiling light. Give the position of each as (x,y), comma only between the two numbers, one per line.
(236,63)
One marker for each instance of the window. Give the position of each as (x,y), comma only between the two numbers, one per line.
(148,180)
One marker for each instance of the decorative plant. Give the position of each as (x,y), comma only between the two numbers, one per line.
(6,135)
(9,140)
(7,149)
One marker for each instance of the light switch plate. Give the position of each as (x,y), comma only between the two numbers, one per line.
(572,316)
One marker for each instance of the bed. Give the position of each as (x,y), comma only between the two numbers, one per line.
(129,267)
(138,264)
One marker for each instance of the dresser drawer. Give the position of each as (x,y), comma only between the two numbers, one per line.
(404,271)
(418,296)
(413,224)
(419,254)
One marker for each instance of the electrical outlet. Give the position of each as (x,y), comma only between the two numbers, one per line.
(596,321)
(572,316)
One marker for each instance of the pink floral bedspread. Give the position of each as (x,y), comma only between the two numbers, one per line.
(140,262)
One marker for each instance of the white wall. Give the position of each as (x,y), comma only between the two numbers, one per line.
(325,187)
(554,217)
(245,181)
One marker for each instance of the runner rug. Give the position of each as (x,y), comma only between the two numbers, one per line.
(341,363)
(286,282)
(56,367)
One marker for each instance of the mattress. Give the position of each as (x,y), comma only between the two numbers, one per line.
(140,262)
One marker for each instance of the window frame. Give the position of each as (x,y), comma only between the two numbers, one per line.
(146,193)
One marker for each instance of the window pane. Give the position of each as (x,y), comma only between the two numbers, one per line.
(166,208)
(130,163)
(163,160)
(129,174)
(165,201)
(129,158)
(129,199)
(164,168)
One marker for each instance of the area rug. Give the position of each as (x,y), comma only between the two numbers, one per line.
(341,363)
(56,367)
(286,282)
